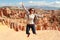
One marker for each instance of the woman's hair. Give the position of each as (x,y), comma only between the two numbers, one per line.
(31,9)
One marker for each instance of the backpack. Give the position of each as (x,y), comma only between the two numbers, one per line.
(35,19)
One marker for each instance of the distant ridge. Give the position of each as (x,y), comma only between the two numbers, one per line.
(38,7)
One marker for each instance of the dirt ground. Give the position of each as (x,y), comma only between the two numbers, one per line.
(9,34)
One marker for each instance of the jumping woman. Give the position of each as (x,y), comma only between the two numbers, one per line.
(31,17)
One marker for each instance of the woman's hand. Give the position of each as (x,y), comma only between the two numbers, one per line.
(22,4)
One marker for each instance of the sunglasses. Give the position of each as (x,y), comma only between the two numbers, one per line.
(32,10)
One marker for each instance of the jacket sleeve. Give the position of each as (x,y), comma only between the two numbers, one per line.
(39,15)
(25,9)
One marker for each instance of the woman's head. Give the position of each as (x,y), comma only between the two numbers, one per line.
(32,10)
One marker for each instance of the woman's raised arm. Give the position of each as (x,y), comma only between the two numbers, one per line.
(25,8)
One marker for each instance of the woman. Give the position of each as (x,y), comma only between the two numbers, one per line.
(31,15)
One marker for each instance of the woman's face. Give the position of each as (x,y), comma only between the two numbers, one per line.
(32,11)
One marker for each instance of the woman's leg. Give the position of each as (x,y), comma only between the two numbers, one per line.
(33,29)
(27,29)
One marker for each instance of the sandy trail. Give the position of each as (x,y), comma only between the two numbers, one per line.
(9,34)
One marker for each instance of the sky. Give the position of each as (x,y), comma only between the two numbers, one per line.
(52,3)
